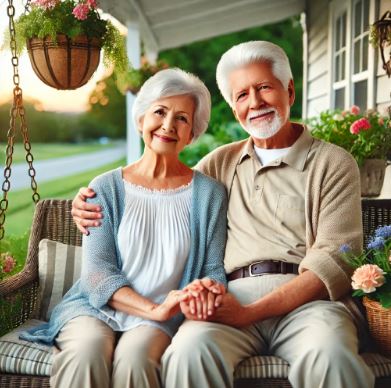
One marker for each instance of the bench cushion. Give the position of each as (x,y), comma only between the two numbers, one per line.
(23,357)
(59,267)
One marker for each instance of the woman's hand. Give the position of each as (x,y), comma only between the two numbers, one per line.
(85,214)
(170,306)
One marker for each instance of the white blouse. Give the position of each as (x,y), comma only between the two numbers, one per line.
(154,243)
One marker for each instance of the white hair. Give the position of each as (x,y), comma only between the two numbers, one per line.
(175,82)
(251,52)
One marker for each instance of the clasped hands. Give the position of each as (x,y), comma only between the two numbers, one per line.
(206,300)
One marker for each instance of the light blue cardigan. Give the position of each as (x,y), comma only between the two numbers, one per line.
(101,272)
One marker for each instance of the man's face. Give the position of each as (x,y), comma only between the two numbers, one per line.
(260,102)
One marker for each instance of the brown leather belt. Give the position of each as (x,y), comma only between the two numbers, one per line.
(264,267)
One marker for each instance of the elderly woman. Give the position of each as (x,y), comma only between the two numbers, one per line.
(164,226)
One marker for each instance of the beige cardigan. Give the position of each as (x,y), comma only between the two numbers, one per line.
(332,207)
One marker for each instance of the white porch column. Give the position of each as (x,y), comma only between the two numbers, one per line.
(133,47)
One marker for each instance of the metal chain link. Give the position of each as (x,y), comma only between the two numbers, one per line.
(17,110)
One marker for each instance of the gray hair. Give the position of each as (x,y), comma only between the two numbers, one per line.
(251,52)
(175,82)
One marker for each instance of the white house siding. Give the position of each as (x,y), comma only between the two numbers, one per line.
(317,98)
(318,83)
(383,83)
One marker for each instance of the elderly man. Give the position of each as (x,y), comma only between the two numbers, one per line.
(293,201)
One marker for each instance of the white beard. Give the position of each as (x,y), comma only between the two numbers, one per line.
(266,128)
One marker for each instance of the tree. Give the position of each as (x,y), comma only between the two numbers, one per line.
(107,112)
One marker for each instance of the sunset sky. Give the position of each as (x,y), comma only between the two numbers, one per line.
(51,99)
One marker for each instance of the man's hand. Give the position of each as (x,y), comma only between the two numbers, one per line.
(204,297)
(230,312)
(85,214)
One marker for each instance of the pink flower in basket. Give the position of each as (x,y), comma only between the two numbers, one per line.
(367,278)
(91,3)
(360,125)
(46,4)
(81,11)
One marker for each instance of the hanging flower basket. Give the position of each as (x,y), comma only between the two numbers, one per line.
(380,36)
(64,39)
(66,63)
(372,176)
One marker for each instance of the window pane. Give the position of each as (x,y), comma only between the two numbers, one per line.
(338,35)
(343,30)
(339,101)
(365,53)
(337,73)
(343,65)
(366,15)
(357,18)
(360,94)
(356,66)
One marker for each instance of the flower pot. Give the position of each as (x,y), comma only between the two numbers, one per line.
(66,64)
(379,322)
(372,177)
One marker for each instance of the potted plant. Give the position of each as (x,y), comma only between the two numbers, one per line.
(366,136)
(133,79)
(371,280)
(64,39)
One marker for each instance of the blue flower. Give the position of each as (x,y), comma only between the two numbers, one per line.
(383,231)
(376,243)
(345,248)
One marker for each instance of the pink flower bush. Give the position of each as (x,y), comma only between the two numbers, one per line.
(360,125)
(7,263)
(81,11)
(355,110)
(367,278)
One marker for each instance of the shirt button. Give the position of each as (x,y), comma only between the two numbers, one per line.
(257,187)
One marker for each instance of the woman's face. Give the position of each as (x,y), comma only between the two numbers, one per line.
(167,124)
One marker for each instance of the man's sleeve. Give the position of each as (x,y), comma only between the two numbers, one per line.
(338,222)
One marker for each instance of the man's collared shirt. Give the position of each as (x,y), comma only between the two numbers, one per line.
(266,210)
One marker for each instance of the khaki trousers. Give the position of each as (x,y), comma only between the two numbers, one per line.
(319,340)
(90,356)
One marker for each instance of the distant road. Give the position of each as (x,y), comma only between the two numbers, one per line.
(50,169)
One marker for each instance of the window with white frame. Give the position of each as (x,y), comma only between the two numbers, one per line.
(360,34)
(351,56)
(340,82)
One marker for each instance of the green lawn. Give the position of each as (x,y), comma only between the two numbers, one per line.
(42,151)
(21,207)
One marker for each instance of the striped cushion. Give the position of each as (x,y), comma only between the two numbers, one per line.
(22,357)
(262,367)
(274,367)
(59,267)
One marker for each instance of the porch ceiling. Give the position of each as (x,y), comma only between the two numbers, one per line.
(172,23)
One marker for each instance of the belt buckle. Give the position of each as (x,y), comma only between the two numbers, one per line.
(250,267)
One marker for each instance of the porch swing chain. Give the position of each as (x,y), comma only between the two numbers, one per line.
(17,109)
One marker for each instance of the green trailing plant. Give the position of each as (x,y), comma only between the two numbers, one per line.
(73,18)
(365,136)
(133,79)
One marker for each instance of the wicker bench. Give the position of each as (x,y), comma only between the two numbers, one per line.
(29,364)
